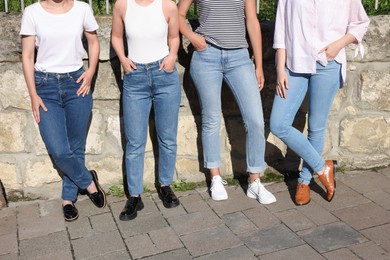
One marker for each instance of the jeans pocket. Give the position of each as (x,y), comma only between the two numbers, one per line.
(39,80)
(74,76)
(169,72)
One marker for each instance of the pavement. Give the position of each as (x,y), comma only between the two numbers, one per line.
(355,225)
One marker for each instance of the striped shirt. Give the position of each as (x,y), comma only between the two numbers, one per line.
(222,23)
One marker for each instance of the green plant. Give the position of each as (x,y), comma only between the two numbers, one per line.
(272,177)
(116,191)
(183,185)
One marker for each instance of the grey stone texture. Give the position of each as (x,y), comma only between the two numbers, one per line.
(357,135)
(200,229)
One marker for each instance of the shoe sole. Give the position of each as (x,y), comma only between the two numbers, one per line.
(297,204)
(72,219)
(334,178)
(219,199)
(250,195)
(95,177)
(134,215)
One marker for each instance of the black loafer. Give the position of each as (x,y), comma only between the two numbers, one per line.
(98,198)
(70,212)
(168,198)
(129,212)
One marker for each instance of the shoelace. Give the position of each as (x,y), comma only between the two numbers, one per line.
(221,181)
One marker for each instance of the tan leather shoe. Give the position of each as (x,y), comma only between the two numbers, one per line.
(327,178)
(302,195)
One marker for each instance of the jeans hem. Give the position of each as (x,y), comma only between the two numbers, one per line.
(255,170)
(212,165)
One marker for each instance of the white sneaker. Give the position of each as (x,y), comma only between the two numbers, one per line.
(217,189)
(256,190)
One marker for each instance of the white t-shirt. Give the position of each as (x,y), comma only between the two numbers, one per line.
(58,36)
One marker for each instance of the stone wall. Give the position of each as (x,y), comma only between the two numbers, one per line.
(358,131)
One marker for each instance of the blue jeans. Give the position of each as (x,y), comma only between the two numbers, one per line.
(64,127)
(141,88)
(208,68)
(322,88)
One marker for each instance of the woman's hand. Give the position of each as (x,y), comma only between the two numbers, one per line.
(86,79)
(281,83)
(168,64)
(260,77)
(36,103)
(199,42)
(128,65)
(332,50)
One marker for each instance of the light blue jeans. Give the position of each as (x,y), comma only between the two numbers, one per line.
(141,88)
(322,88)
(64,127)
(208,68)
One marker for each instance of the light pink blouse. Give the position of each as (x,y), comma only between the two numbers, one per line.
(305,27)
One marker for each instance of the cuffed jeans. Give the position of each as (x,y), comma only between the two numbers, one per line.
(143,87)
(322,88)
(208,68)
(64,127)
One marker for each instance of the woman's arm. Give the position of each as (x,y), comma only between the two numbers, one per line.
(198,41)
(253,28)
(93,59)
(28,51)
(281,75)
(117,35)
(172,17)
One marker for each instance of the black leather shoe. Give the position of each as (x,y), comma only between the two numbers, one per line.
(129,212)
(98,198)
(168,198)
(70,212)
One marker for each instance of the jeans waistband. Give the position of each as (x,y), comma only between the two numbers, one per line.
(58,75)
(150,64)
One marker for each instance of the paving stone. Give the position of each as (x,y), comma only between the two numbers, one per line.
(169,212)
(165,239)
(379,197)
(276,187)
(238,223)
(317,214)
(343,253)
(7,212)
(272,239)
(9,257)
(364,216)
(179,254)
(31,223)
(344,197)
(86,208)
(141,224)
(295,220)
(52,256)
(380,235)
(261,217)
(330,237)
(150,207)
(235,253)
(140,246)
(193,222)
(80,228)
(103,223)
(364,182)
(97,245)
(9,243)
(370,250)
(284,202)
(8,225)
(299,252)
(210,241)
(117,255)
(45,246)
(194,203)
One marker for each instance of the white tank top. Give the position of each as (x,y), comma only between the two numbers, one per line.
(146,32)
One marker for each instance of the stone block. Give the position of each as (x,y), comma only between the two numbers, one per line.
(331,237)
(271,239)
(284,202)
(106,87)
(261,217)
(193,222)
(379,197)
(140,246)
(380,235)
(8,225)
(103,223)
(10,48)
(46,246)
(91,246)
(87,208)
(41,172)
(94,144)
(9,243)
(366,135)
(168,212)
(343,253)
(109,169)
(299,252)
(364,216)
(115,129)
(218,239)
(317,214)
(372,93)
(238,223)
(165,239)
(295,220)
(12,129)
(366,182)
(179,254)
(189,169)
(194,203)
(235,253)
(370,250)
(11,82)
(10,176)
(117,255)
(80,228)
(187,136)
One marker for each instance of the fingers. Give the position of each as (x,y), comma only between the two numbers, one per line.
(281,90)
